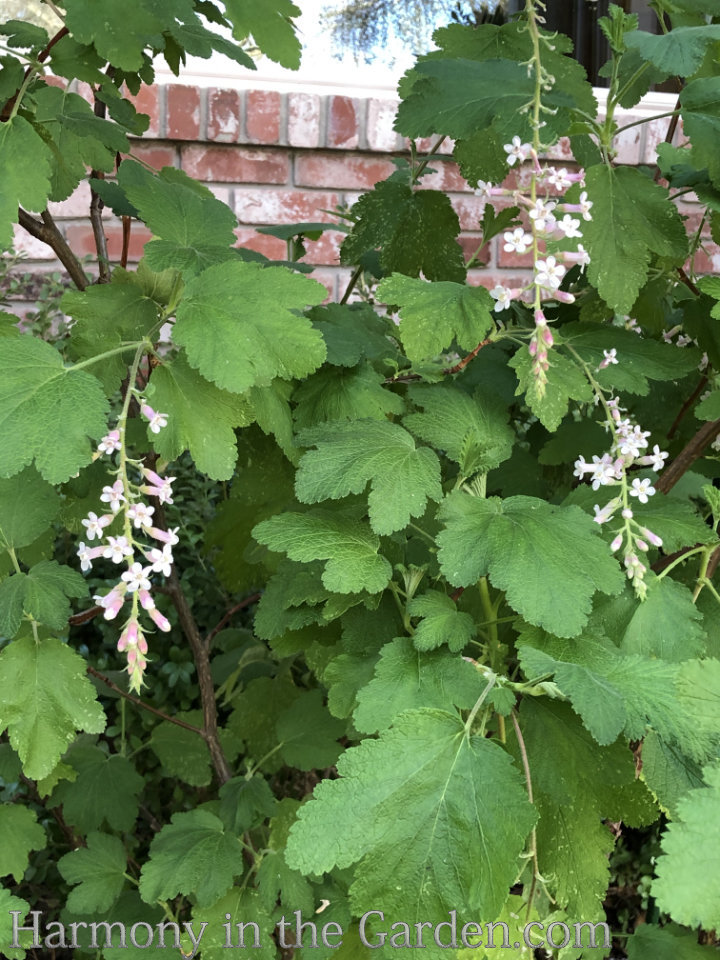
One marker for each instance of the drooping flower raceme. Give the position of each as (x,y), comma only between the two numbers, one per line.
(130,518)
(627,450)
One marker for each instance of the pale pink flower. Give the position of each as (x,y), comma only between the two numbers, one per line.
(117,549)
(141,515)
(95,524)
(517,151)
(157,420)
(137,577)
(113,495)
(110,443)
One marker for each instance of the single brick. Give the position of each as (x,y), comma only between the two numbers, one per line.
(223,119)
(263,109)
(271,247)
(183,112)
(469,210)
(155,155)
(447,177)
(82,241)
(283,206)
(380,132)
(147,101)
(326,250)
(343,123)
(303,120)
(235,164)
(76,205)
(331,170)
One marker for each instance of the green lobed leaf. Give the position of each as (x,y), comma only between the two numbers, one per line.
(77,138)
(406,679)
(639,359)
(25,168)
(99,872)
(615,692)
(107,316)
(21,833)
(270,23)
(650,942)
(45,697)
(42,594)
(434,315)
(8,904)
(528,548)
(37,393)
(415,805)
(576,785)
(349,547)
(192,854)
(416,232)
(665,625)
(441,622)
(632,219)
(565,382)
(104,791)
(668,772)
(243,905)
(119,33)
(28,505)
(472,431)
(352,331)
(244,803)
(679,52)
(239,325)
(194,227)
(308,734)
(348,456)
(339,393)
(275,878)
(700,110)
(687,883)
(201,418)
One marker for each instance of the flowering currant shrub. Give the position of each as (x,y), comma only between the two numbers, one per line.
(406,603)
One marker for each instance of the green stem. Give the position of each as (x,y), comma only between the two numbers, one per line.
(251,771)
(624,89)
(426,160)
(492,679)
(681,559)
(134,345)
(655,116)
(423,533)
(490,611)
(27,80)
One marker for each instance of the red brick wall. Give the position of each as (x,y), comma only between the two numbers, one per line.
(287,157)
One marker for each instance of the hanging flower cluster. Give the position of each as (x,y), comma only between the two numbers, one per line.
(132,520)
(629,448)
(549,219)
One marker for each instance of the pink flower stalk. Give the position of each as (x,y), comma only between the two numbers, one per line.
(165,536)
(87,555)
(112,602)
(162,622)
(157,420)
(146,601)
(654,539)
(129,636)
(161,486)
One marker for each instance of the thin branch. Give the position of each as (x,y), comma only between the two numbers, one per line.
(351,285)
(670,135)
(126,228)
(103,258)
(687,456)
(686,406)
(202,664)
(141,703)
(693,287)
(229,615)
(48,233)
(448,371)
(533,835)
